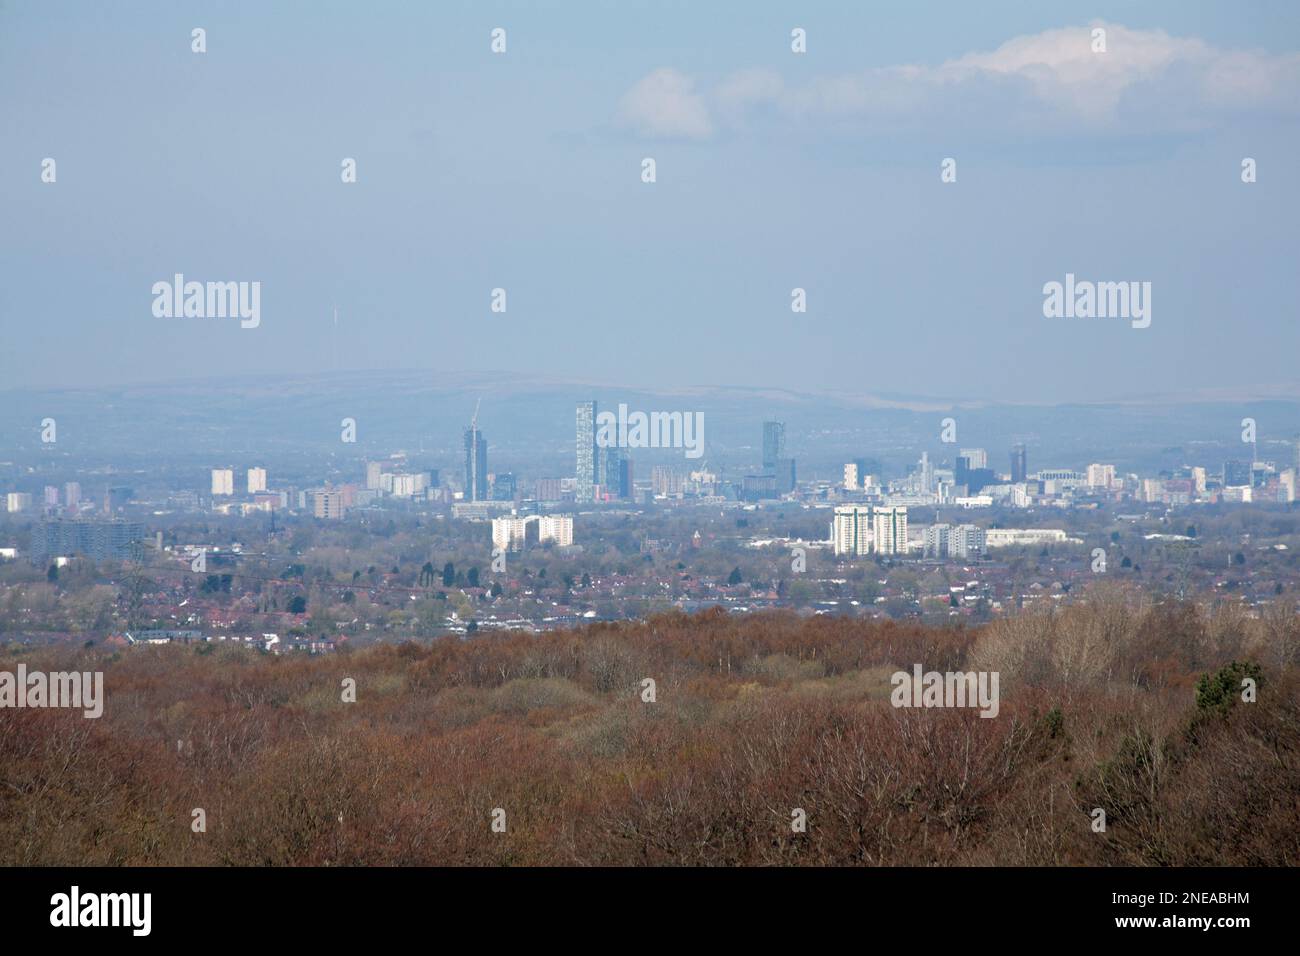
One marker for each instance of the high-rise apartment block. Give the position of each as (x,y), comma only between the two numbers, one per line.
(889,530)
(851,480)
(1101,476)
(327,504)
(223,481)
(851,530)
(515,532)
(948,541)
(99,540)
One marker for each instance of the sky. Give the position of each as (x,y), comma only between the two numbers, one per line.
(774,170)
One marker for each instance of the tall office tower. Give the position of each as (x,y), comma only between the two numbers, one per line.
(927,473)
(851,530)
(961,470)
(223,481)
(587,456)
(1236,473)
(889,530)
(1019,464)
(610,465)
(784,472)
(504,486)
(72,495)
(625,486)
(256,480)
(373,470)
(476,486)
(611,470)
(773,443)
(978,457)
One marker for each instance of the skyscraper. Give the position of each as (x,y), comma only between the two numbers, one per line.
(476,483)
(784,473)
(773,443)
(611,471)
(587,457)
(1019,464)
(625,484)
(614,464)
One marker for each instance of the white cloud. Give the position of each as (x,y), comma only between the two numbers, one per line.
(1146,81)
(1062,69)
(664,104)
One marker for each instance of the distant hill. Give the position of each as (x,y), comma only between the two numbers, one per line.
(531,417)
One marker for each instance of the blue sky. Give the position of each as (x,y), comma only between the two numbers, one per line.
(775,171)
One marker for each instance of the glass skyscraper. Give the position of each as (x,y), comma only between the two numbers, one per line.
(773,443)
(476,487)
(587,456)
(1019,464)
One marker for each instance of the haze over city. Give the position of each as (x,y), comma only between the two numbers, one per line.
(775,171)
